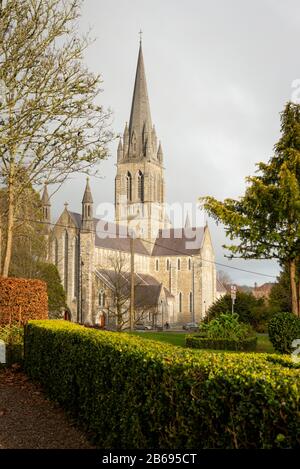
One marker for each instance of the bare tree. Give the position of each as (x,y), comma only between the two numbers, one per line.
(118,305)
(224,278)
(50,124)
(29,243)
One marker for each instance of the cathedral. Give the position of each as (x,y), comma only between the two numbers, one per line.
(167,272)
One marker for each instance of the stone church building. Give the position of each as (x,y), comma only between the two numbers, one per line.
(174,271)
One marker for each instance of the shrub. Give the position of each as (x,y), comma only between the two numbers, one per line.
(251,310)
(12,334)
(195,341)
(132,393)
(22,299)
(56,294)
(224,333)
(283,329)
(13,337)
(226,326)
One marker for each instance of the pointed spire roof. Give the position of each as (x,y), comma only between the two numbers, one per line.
(87,198)
(126,131)
(120,146)
(140,108)
(159,151)
(187,221)
(45,196)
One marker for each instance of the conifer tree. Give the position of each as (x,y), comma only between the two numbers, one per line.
(265,221)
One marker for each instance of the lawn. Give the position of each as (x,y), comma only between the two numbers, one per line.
(178,338)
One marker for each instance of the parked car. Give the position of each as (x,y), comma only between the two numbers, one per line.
(143,327)
(190,326)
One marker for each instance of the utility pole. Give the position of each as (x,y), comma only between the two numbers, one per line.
(193,292)
(131,281)
(132,236)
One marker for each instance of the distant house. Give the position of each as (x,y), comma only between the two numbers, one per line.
(262,291)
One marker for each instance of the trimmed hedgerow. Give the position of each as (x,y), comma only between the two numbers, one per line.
(132,393)
(195,341)
(283,329)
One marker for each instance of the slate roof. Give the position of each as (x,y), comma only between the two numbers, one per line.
(170,242)
(112,236)
(147,288)
(175,241)
(147,295)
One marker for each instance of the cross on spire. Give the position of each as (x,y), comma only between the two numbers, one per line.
(141,35)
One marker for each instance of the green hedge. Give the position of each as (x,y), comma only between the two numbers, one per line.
(283,329)
(132,393)
(195,341)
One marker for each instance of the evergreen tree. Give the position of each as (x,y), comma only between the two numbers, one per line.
(266,220)
(250,310)
(280,296)
(56,293)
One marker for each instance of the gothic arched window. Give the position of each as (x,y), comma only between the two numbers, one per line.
(129,186)
(190,264)
(178,264)
(191,302)
(141,186)
(168,264)
(158,189)
(156,265)
(180,302)
(101,299)
(66,258)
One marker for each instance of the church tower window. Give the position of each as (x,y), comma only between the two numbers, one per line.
(168,264)
(157,265)
(178,264)
(180,302)
(129,187)
(141,186)
(190,264)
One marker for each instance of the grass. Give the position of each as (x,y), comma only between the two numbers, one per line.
(178,338)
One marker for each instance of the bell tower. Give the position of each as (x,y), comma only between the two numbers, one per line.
(139,183)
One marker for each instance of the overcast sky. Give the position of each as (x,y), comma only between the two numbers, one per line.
(218,73)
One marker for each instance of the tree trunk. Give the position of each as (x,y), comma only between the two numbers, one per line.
(9,232)
(294,289)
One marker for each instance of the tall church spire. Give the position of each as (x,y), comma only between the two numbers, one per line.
(140,116)
(87,208)
(139,183)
